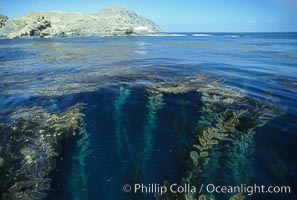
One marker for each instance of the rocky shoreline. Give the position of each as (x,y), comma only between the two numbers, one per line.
(116,21)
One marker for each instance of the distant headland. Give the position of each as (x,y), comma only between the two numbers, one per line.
(115,21)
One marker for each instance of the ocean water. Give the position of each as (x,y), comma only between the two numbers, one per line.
(147,102)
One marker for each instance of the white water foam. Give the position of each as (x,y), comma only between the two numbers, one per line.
(201,35)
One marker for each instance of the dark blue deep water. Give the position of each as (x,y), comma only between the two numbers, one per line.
(144,109)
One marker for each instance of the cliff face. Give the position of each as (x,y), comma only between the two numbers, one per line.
(115,21)
(3,20)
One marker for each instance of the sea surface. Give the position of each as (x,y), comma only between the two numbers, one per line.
(146,102)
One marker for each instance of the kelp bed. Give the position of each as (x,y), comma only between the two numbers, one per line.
(31,137)
(30,147)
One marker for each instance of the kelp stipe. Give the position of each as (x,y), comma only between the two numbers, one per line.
(120,130)
(206,140)
(78,181)
(239,158)
(237,148)
(155,103)
(228,122)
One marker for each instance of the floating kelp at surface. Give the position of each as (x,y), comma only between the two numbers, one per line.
(87,79)
(39,121)
(66,69)
(78,181)
(30,149)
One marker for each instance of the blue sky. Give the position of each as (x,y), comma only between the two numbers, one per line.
(182,15)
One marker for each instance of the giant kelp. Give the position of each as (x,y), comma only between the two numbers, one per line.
(30,149)
(226,128)
(120,130)
(154,104)
(78,181)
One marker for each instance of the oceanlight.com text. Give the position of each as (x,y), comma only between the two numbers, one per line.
(155,188)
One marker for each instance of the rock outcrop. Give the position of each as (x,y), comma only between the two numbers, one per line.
(3,20)
(115,21)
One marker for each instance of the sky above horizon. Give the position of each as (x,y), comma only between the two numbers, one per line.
(182,16)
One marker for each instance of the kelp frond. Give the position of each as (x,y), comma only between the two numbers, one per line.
(33,144)
(78,181)
(154,104)
(120,131)
(205,141)
(228,121)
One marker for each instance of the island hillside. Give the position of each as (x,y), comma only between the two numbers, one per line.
(116,21)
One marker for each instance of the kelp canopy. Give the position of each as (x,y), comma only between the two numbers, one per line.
(228,118)
(228,121)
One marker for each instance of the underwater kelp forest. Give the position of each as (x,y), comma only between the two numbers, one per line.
(133,117)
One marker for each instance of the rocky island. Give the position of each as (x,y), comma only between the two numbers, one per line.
(116,21)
